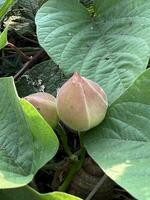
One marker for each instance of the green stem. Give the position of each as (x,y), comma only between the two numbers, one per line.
(75,167)
(64,140)
(81,139)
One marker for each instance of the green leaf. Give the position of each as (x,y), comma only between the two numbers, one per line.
(4,6)
(121,144)
(3,38)
(45,76)
(28,193)
(26,140)
(30,7)
(1,2)
(111,48)
(45,140)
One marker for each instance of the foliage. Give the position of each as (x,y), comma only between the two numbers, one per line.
(3,38)
(26,140)
(28,193)
(30,7)
(105,41)
(4,6)
(111,48)
(36,79)
(120,145)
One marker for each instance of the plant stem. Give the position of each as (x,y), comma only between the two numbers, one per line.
(29,64)
(98,185)
(64,140)
(23,49)
(81,139)
(18,51)
(75,167)
(28,39)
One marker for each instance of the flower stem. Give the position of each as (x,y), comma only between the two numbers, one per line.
(64,140)
(75,167)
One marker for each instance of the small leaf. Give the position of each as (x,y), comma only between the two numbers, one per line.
(4,6)
(26,193)
(3,38)
(121,144)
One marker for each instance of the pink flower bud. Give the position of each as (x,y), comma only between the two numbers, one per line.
(81,103)
(46,105)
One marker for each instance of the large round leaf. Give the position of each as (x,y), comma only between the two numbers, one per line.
(27,142)
(121,144)
(111,48)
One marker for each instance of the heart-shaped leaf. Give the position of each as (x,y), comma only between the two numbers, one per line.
(25,193)
(111,48)
(26,141)
(121,144)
